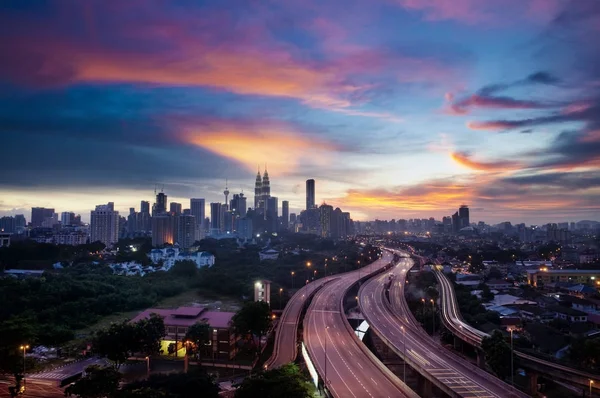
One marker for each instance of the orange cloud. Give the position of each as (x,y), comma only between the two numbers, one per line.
(278,145)
(463,160)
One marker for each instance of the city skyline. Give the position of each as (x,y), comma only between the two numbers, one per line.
(398,109)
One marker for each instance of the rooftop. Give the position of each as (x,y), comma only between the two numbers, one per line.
(187,316)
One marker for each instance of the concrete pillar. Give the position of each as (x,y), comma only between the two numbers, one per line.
(480,358)
(533,383)
(424,386)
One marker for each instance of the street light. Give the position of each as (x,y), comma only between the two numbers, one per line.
(433,316)
(591,382)
(280,303)
(148,366)
(24,348)
(326,338)
(512,354)
(293,273)
(404,349)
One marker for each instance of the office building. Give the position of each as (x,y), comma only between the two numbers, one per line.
(145,207)
(67,218)
(262,192)
(144,217)
(8,224)
(104,224)
(244,228)
(39,214)
(216,218)
(20,222)
(262,291)
(161,204)
(285,215)
(198,209)
(463,214)
(310,194)
(272,214)
(163,229)
(175,208)
(238,205)
(186,231)
(325,213)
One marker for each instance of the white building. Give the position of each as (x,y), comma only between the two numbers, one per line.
(72,238)
(171,255)
(269,254)
(104,224)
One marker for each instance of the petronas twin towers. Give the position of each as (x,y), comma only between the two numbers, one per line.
(262,190)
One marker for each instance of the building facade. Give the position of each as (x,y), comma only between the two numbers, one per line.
(104,224)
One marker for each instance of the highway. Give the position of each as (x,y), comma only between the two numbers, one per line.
(285,348)
(396,326)
(349,368)
(453,320)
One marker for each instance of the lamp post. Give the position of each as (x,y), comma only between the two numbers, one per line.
(326,338)
(512,355)
(293,273)
(404,349)
(280,303)
(591,382)
(147,366)
(24,348)
(308,264)
(432,316)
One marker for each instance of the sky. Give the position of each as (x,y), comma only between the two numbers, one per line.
(397,108)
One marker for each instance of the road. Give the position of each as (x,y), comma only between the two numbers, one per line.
(453,320)
(350,369)
(63,372)
(285,347)
(397,327)
(35,389)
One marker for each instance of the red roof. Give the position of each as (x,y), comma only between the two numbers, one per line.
(187,316)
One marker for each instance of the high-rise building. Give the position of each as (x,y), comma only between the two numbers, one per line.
(266,190)
(161,204)
(226,192)
(325,212)
(163,229)
(238,205)
(144,217)
(216,218)
(186,231)
(20,222)
(175,208)
(244,228)
(272,216)
(8,224)
(67,218)
(198,209)
(104,224)
(258,191)
(310,194)
(39,214)
(285,214)
(145,207)
(463,214)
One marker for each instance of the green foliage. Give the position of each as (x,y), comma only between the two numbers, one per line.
(585,353)
(486,293)
(194,384)
(497,354)
(122,340)
(99,382)
(495,273)
(185,269)
(199,335)
(286,381)
(254,318)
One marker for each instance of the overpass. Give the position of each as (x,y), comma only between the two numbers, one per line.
(452,319)
(392,321)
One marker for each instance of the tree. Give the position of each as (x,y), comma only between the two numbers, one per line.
(194,384)
(149,333)
(199,335)
(286,381)
(497,354)
(184,268)
(495,273)
(98,382)
(585,353)
(117,343)
(486,293)
(254,318)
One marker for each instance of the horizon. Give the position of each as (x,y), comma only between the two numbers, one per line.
(398,109)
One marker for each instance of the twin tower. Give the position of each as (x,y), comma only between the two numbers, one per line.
(262,190)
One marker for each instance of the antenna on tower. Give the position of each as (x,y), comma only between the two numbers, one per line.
(163,188)
(154,189)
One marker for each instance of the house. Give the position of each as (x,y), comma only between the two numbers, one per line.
(499,284)
(222,343)
(171,255)
(568,314)
(534,313)
(269,254)
(577,303)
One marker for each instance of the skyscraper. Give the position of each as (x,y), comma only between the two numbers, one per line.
(258,191)
(463,214)
(285,214)
(266,189)
(145,220)
(39,214)
(175,208)
(20,222)
(325,220)
(216,218)
(144,207)
(163,229)
(198,210)
(310,194)
(238,205)
(272,216)
(186,231)
(67,218)
(104,224)
(161,204)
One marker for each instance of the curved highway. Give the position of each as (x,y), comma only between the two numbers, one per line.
(454,322)
(285,348)
(349,368)
(394,323)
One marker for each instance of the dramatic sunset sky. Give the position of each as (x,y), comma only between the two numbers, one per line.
(398,108)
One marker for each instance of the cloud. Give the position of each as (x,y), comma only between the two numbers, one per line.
(495,12)
(465,160)
(481,101)
(282,146)
(564,180)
